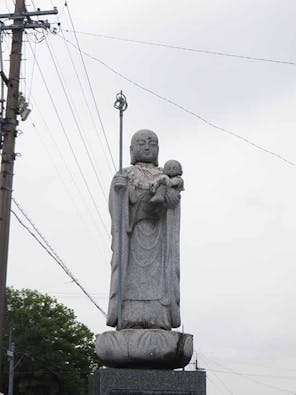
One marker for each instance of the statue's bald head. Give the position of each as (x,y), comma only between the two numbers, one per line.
(144,147)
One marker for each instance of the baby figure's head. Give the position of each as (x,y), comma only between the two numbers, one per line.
(172,168)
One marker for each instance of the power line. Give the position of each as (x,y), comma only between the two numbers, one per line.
(86,101)
(47,247)
(181,107)
(57,68)
(2,82)
(246,377)
(69,172)
(89,84)
(70,146)
(266,366)
(62,157)
(23,88)
(66,167)
(169,46)
(267,376)
(219,379)
(77,296)
(101,295)
(32,73)
(7,6)
(65,164)
(213,382)
(78,128)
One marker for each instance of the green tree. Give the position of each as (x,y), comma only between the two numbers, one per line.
(55,353)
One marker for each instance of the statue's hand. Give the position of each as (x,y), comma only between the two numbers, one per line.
(119,182)
(172,197)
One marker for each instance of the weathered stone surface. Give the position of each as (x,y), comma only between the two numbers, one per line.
(144,348)
(144,302)
(147,382)
(147,200)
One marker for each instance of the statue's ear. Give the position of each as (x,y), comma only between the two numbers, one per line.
(156,160)
(132,155)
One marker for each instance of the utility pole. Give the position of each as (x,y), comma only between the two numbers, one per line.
(21,20)
(10,354)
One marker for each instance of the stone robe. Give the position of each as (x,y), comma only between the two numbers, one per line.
(150,254)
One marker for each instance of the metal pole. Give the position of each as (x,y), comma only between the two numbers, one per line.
(121,105)
(8,156)
(10,354)
(120,140)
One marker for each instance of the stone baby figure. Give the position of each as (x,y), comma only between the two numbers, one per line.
(171,178)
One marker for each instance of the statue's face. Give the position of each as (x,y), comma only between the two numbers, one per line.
(172,168)
(144,147)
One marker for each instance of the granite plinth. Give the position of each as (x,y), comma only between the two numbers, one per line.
(144,348)
(147,382)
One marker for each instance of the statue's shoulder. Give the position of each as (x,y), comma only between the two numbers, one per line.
(125,171)
(134,173)
(128,170)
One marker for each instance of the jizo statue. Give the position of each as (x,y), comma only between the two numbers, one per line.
(149,197)
(144,303)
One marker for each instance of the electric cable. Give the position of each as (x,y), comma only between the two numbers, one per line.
(177,47)
(211,380)
(219,379)
(267,376)
(23,86)
(267,366)
(181,107)
(69,172)
(57,68)
(89,84)
(2,82)
(78,128)
(62,157)
(98,295)
(32,73)
(7,7)
(71,147)
(47,247)
(230,371)
(86,103)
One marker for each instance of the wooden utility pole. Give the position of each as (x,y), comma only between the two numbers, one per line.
(21,21)
(8,156)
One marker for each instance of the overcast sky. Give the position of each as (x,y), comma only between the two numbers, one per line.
(238,226)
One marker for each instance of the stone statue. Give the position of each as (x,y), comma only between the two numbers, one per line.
(151,226)
(147,199)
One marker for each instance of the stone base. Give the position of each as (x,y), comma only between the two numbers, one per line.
(144,348)
(147,382)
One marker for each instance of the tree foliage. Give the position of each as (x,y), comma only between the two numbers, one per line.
(54,353)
